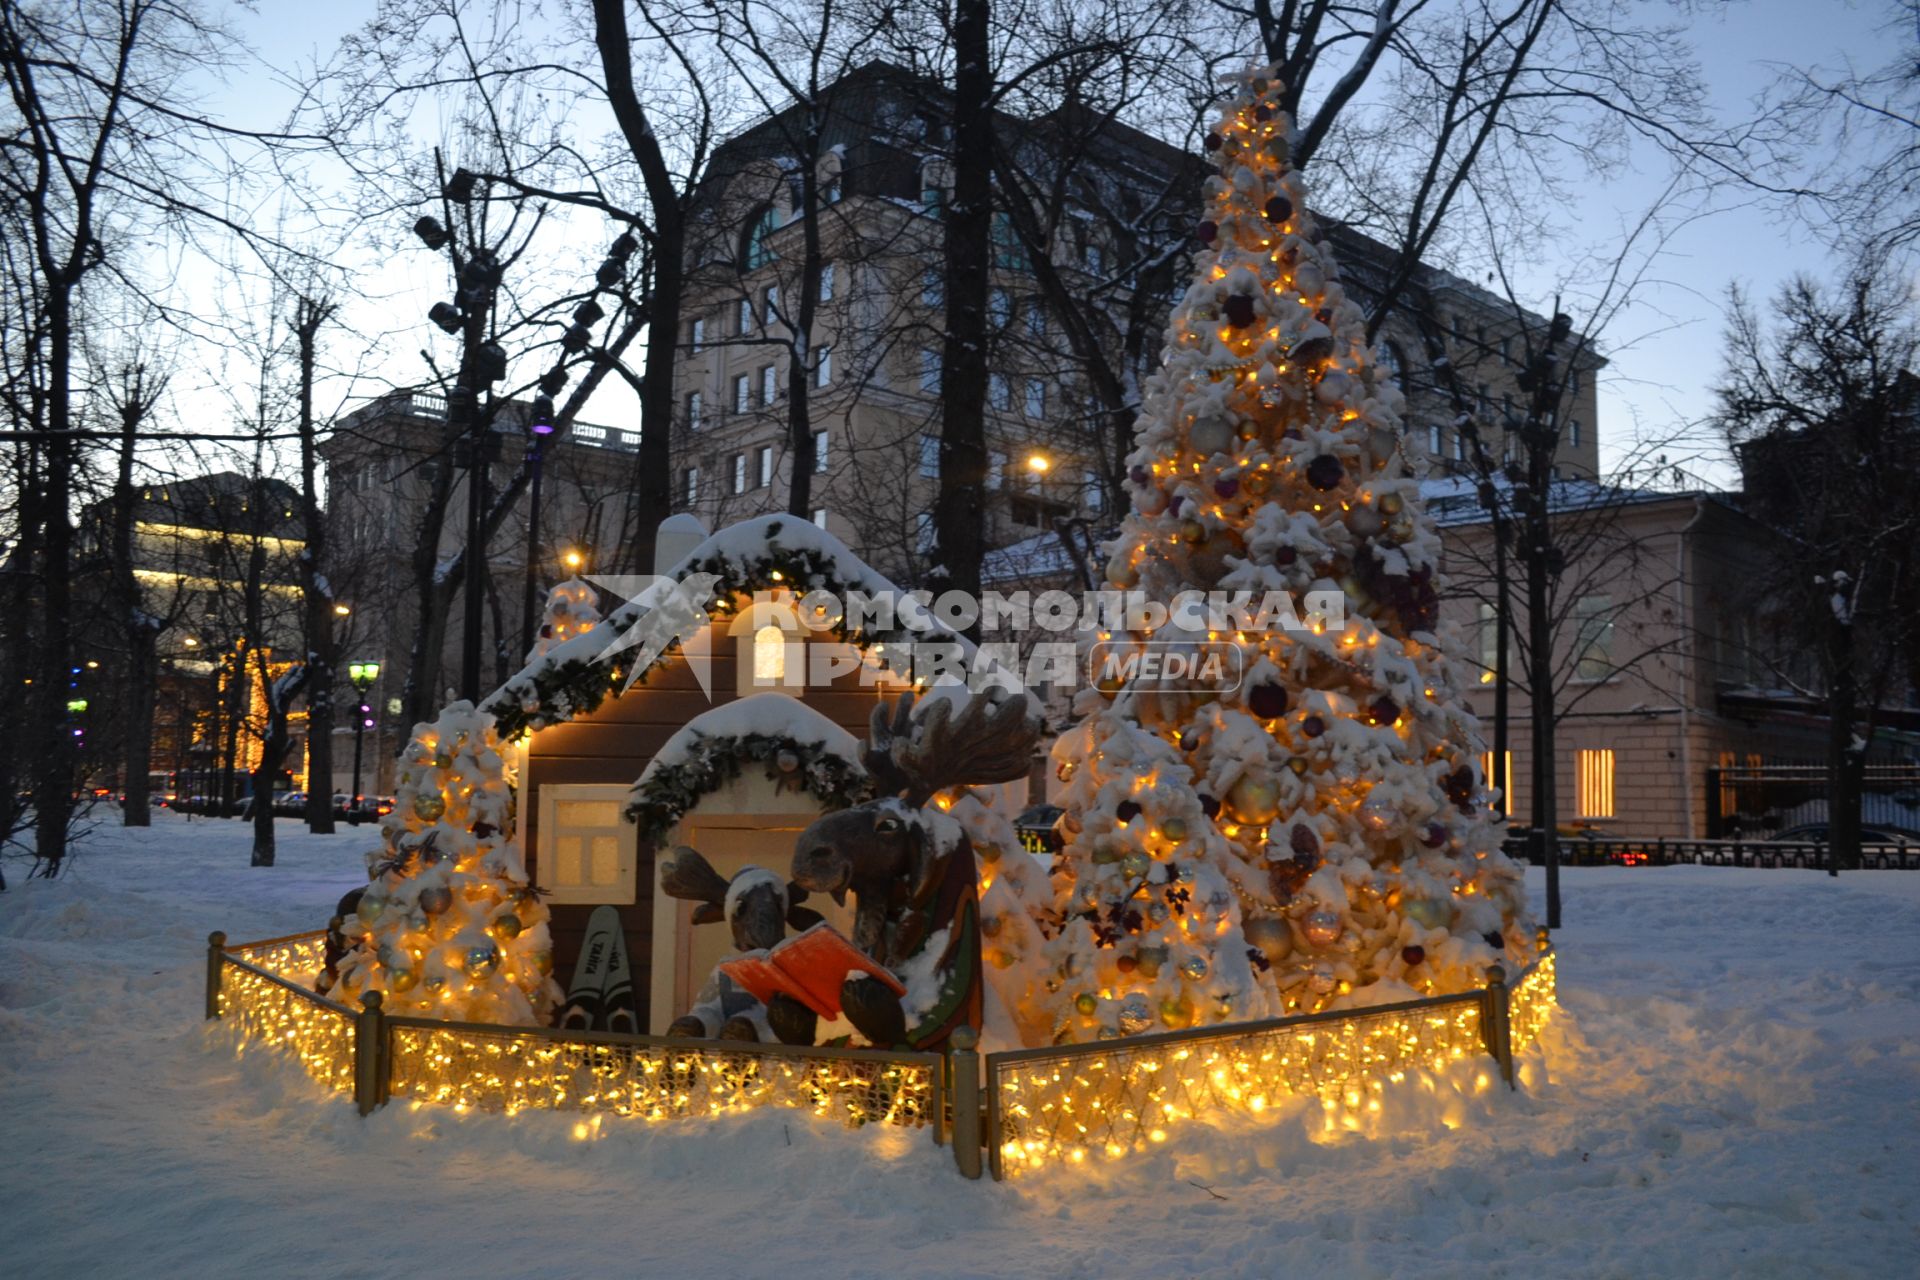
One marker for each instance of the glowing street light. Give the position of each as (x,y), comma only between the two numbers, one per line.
(1039,463)
(363,674)
(341,610)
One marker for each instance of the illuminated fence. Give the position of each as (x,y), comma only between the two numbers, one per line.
(1039,1106)
(265,989)
(512,1069)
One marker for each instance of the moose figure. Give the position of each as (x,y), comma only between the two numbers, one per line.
(757,906)
(909,865)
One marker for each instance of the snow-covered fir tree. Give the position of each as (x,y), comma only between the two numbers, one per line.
(1311,829)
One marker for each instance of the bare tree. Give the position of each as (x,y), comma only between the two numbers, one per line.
(1820,406)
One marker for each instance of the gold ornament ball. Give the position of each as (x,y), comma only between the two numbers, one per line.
(1257,483)
(1255,799)
(1087,1003)
(428,806)
(1176,1012)
(403,979)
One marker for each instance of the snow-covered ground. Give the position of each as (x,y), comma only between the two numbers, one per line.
(1734,1090)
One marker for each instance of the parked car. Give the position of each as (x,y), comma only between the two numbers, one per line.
(290,804)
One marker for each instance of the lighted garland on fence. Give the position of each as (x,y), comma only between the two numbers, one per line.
(559,692)
(670,790)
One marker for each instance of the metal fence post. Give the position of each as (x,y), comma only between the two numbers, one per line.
(216,952)
(369,1053)
(967,1143)
(1495,1028)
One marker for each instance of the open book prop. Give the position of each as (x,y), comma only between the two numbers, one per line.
(810,967)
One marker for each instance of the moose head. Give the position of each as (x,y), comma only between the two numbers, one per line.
(893,854)
(755,904)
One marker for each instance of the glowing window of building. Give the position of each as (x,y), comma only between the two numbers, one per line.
(769,655)
(1595,783)
(1502,779)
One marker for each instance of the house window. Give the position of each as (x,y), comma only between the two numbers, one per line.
(826,282)
(769,387)
(765,468)
(999,392)
(691,485)
(742,393)
(933,287)
(996,469)
(930,457)
(820,517)
(1000,306)
(693,410)
(1036,398)
(1096,492)
(1573,431)
(1037,318)
(769,655)
(1595,789)
(1593,637)
(770,303)
(819,452)
(1503,781)
(1390,360)
(1436,440)
(697,336)
(823,368)
(1094,256)
(1007,251)
(587,852)
(930,372)
(739,473)
(923,533)
(743,316)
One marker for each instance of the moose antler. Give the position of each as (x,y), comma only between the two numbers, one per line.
(989,739)
(687,874)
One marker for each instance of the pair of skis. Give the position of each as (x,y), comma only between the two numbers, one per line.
(600,998)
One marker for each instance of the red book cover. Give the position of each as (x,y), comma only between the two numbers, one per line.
(810,967)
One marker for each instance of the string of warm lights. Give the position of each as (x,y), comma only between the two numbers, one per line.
(318,1033)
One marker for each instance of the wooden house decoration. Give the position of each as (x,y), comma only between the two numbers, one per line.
(610,779)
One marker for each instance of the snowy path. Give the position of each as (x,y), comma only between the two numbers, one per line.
(1737,1092)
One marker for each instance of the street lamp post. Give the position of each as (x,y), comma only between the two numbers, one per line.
(541,428)
(363,674)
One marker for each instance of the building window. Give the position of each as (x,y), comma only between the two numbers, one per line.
(1007,251)
(1037,318)
(769,386)
(996,469)
(923,532)
(743,316)
(1390,360)
(1094,255)
(930,457)
(1000,307)
(933,287)
(697,336)
(819,453)
(1436,440)
(1484,401)
(765,469)
(1593,637)
(1460,445)
(1595,789)
(930,372)
(742,393)
(1036,398)
(770,303)
(999,392)
(1502,781)
(691,485)
(693,410)
(758,252)
(739,473)
(820,517)
(1096,493)
(1573,432)
(587,849)
(823,368)
(826,282)
(1489,641)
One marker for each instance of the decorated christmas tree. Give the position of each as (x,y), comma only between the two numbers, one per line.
(1309,829)
(570,611)
(448,926)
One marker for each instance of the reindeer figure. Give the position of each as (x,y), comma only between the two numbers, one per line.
(757,906)
(910,866)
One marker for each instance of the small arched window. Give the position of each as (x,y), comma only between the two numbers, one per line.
(755,251)
(1392,362)
(769,655)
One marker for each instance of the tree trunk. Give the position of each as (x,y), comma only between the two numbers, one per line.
(53,784)
(960,508)
(1845,763)
(316,590)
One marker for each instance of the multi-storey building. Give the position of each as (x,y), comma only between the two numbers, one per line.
(871,357)
(386,461)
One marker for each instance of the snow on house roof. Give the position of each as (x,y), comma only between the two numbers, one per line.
(777,715)
(1454,500)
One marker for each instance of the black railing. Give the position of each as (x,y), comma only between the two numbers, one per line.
(1581,851)
(1756,800)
